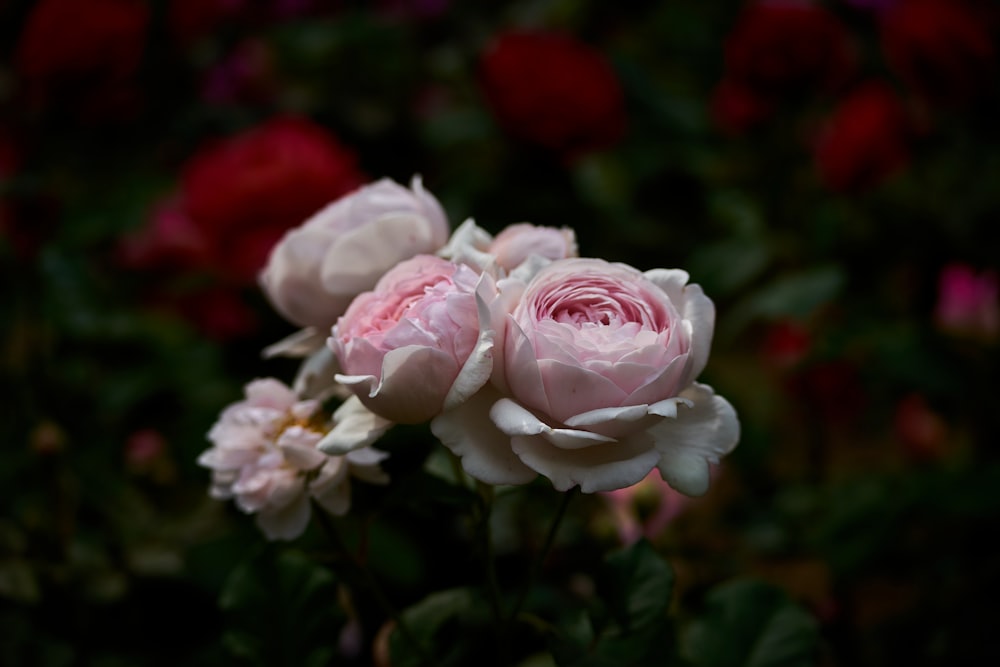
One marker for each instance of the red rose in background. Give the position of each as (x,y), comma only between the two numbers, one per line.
(244,192)
(553,90)
(779,50)
(939,48)
(865,140)
(81,48)
(191,20)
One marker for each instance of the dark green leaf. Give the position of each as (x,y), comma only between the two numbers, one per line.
(751,624)
(282,610)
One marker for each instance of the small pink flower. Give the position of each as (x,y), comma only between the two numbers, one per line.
(968,302)
(264,457)
(516,243)
(406,348)
(516,246)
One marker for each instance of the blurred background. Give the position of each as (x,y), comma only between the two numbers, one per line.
(829,172)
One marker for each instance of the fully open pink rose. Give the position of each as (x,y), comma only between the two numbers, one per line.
(318,268)
(413,345)
(593,382)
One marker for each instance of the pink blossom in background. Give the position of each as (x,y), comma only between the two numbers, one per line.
(406,348)
(645,508)
(968,302)
(264,457)
(170,240)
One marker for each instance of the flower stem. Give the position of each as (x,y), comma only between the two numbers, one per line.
(486,495)
(536,565)
(370,583)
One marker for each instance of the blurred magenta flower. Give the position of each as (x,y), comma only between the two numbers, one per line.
(316,269)
(245,76)
(941,49)
(645,508)
(81,50)
(865,140)
(553,90)
(264,457)
(968,302)
(411,348)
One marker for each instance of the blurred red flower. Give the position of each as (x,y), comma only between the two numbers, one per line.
(779,50)
(553,90)
(921,431)
(865,140)
(941,49)
(85,48)
(239,195)
(788,48)
(191,20)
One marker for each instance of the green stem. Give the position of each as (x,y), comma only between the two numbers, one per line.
(536,566)
(486,496)
(381,599)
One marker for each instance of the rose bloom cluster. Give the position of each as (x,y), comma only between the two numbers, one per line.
(524,358)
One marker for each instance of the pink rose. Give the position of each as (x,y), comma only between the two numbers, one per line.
(515,246)
(412,347)
(318,268)
(264,456)
(593,382)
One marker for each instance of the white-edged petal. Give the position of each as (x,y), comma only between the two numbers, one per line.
(287,522)
(299,344)
(483,449)
(603,468)
(706,430)
(355,427)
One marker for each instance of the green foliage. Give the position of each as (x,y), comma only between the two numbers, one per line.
(751,624)
(281,609)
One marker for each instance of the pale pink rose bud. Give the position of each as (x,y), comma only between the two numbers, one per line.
(969,302)
(516,243)
(264,457)
(317,269)
(593,382)
(413,344)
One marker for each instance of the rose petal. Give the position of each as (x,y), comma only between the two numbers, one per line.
(484,450)
(706,431)
(514,420)
(355,427)
(479,366)
(594,469)
(299,344)
(357,258)
(285,523)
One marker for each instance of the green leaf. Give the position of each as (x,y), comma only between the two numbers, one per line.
(751,624)
(451,627)
(795,296)
(282,610)
(638,584)
(632,628)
